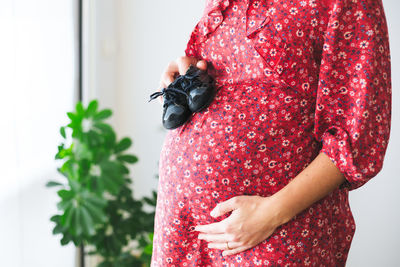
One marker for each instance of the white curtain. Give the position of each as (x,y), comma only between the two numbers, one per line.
(37,87)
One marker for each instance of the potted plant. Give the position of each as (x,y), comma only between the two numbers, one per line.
(96,207)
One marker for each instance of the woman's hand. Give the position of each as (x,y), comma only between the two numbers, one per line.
(253,219)
(178,67)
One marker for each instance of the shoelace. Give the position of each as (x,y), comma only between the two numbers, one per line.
(171,94)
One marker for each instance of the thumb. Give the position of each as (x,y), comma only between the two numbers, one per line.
(225,207)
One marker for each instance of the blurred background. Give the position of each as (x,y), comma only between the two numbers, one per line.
(54,53)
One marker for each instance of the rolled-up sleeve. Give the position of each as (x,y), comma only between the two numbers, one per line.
(353,105)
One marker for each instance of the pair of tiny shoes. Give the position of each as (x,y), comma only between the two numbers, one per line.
(187,94)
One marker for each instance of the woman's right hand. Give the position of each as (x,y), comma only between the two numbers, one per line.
(178,67)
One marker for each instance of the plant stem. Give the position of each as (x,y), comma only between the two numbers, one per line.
(82,254)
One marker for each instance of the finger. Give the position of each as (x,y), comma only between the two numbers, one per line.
(212,228)
(223,246)
(226,206)
(216,238)
(202,64)
(167,78)
(234,250)
(184,63)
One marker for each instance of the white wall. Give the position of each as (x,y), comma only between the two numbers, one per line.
(131,43)
(149,34)
(36,89)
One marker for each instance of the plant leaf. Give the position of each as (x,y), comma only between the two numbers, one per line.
(96,213)
(87,222)
(65,194)
(122,145)
(77,223)
(79,109)
(92,108)
(71,115)
(65,240)
(104,114)
(62,131)
(53,183)
(128,158)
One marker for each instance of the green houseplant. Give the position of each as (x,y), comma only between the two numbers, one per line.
(96,208)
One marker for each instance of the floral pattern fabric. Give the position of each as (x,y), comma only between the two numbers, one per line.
(294,79)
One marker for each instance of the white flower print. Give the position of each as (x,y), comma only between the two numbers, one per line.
(262,117)
(251,134)
(271,11)
(232,146)
(314,22)
(285,142)
(358,14)
(209,170)
(283,233)
(257,262)
(364,44)
(278,26)
(247,164)
(304,233)
(264,100)
(225,163)
(211,142)
(291,249)
(238,258)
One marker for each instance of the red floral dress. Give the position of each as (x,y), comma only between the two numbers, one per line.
(294,79)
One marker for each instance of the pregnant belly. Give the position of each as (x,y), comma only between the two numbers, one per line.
(251,140)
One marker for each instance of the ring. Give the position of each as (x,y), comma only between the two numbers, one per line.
(227,246)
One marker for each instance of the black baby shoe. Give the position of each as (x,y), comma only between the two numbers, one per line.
(176,110)
(188,93)
(199,87)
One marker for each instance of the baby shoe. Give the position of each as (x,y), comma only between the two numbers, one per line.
(176,110)
(199,87)
(188,93)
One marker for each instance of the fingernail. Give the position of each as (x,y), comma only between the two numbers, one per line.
(212,213)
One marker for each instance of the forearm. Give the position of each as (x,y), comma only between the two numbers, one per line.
(316,181)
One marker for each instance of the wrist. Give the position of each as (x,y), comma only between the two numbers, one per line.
(274,205)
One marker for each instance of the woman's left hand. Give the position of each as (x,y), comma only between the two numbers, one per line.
(253,219)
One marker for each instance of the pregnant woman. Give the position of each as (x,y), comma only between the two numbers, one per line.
(301,116)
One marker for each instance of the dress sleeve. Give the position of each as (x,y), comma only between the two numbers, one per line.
(353,104)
